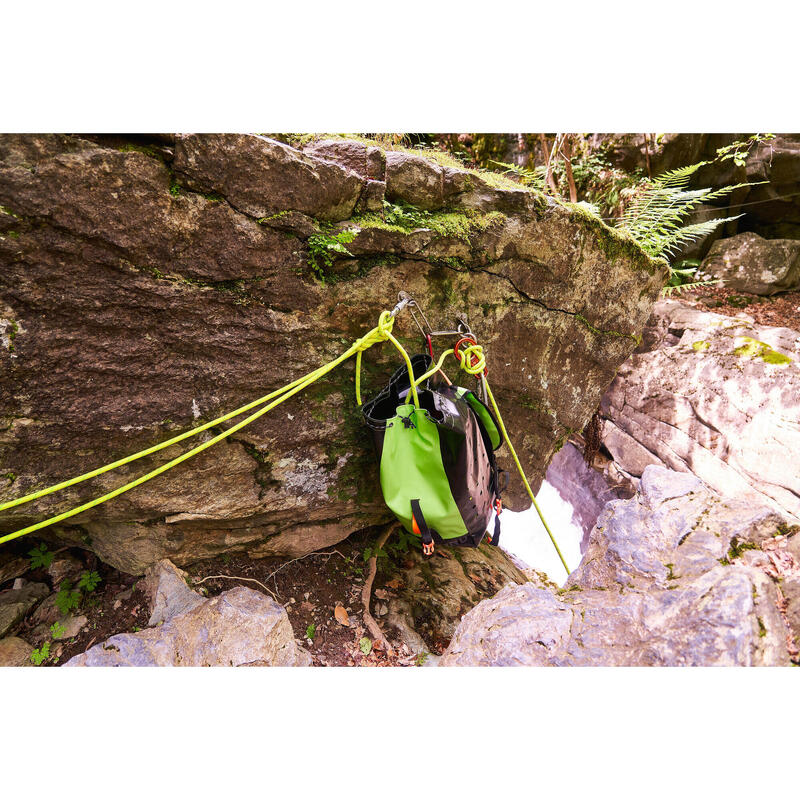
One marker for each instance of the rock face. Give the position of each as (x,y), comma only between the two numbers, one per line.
(149,287)
(436,593)
(748,263)
(716,396)
(240,627)
(15,652)
(665,581)
(15,603)
(584,488)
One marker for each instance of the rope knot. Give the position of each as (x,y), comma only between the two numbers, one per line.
(380,333)
(472,359)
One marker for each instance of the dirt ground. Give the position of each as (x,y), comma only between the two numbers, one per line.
(310,589)
(781,310)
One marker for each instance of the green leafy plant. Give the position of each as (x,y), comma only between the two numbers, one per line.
(322,247)
(67,598)
(421,659)
(655,215)
(41,654)
(739,150)
(41,557)
(311,631)
(57,630)
(365,645)
(89,581)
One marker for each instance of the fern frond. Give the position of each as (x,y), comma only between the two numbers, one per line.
(667,291)
(671,243)
(534,178)
(676,178)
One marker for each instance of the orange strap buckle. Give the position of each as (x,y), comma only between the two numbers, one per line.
(427,548)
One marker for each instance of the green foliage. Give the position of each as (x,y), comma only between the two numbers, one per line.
(89,581)
(311,631)
(322,247)
(175,189)
(41,557)
(421,659)
(365,645)
(738,151)
(401,543)
(654,217)
(534,178)
(41,654)
(57,630)
(67,598)
(680,278)
(379,553)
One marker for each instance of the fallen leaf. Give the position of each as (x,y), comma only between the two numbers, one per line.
(382,594)
(306,606)
(365,645)
(394,583)
(341,616)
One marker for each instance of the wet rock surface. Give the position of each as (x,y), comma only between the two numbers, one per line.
(674,576)
(145,289)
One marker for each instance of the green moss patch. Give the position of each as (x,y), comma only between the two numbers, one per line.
(403,218)
(752,348)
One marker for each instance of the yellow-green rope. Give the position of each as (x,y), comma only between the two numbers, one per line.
(466,358)
(381,333)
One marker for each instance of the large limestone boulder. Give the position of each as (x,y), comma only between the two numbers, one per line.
(748,263)
(147,288)
(665,581)
(240,627)
(716,396)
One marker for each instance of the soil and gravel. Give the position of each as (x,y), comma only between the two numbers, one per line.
(310,589)
(782,310)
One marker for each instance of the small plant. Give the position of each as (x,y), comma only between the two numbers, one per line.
(57,630)
(365,645)
(67,598)
(738,151)
(323,246)
(89,581)
(311,631)
(41,654)
(175,189)
(41,557)
(379,553)
(421,659)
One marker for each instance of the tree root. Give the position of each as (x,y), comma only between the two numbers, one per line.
(366,592)
(198,581)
